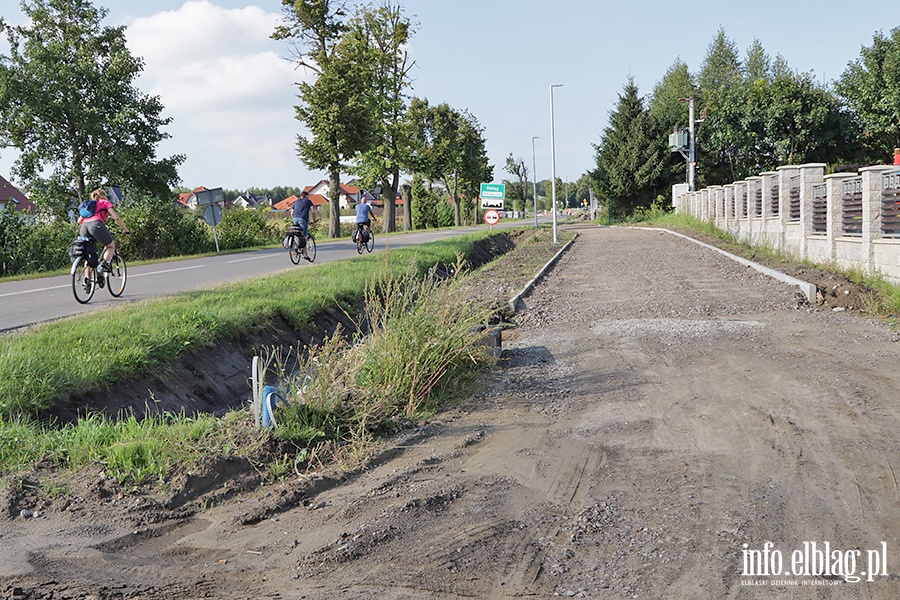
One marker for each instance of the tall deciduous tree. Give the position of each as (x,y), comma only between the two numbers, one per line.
(628,160)
(519,187)
(871,86)
(336,108)
(447,145)
(68,103)
(382,33)
(470,162)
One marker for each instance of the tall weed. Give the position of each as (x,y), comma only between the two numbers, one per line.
(422,349)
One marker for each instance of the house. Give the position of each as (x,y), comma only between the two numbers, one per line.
(12,199)
(189,199)
(349,194)
(249,200)
(318,201)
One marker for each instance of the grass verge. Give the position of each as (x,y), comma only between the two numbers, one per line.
(423,349)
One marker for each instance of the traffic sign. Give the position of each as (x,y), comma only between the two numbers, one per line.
(493,190)
(212,214)
(492,195)
(491,217)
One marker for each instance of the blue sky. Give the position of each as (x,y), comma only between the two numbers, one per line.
(231,92)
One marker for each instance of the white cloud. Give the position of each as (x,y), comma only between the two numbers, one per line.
(219,76)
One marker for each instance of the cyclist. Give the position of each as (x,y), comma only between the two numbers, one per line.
(300,216)
(364,217)
(95,227)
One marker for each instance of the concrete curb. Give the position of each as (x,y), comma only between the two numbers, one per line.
(514,301)
(808,289)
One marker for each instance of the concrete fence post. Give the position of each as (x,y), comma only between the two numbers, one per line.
(833,186)
(728,198)
(871,211)
(770,226)
(810,174)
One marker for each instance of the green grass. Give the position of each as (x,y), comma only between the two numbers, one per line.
(79,354)
(422,350)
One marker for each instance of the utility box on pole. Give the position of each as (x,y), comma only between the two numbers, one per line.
(678,141)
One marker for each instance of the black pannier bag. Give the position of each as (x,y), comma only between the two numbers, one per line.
(86,248)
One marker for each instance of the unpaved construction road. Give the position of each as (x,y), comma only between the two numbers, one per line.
(665,423)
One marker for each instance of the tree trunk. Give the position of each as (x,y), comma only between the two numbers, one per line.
(334,197)
(406,194)
(457,216)
(389,193)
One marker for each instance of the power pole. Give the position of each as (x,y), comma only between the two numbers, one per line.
(677,143)
(692,162)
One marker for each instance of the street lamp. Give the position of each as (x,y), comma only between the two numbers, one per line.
(553,159)
(534,175)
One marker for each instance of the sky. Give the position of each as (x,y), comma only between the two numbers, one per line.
(231,90)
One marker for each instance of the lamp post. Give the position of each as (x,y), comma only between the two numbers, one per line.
(553,159)
(534,175)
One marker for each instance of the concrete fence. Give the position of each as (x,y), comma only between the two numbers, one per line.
(850,219)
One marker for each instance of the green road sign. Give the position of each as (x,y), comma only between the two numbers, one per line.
(495,191)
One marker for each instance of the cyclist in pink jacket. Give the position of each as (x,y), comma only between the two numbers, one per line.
(95,226)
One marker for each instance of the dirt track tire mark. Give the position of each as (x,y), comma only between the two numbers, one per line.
(578,459)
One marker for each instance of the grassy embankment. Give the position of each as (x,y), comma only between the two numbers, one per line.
(884,301)
(421,352)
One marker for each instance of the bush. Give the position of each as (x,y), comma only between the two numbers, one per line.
(30,246)
(245,228)
(429,209)
(161,228)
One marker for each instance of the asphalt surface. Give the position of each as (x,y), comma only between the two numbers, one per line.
(28,302)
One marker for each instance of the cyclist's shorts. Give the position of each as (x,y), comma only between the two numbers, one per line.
(97,230)
(303,225)
(367,223)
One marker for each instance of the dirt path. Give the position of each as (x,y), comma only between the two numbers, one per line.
(657,408)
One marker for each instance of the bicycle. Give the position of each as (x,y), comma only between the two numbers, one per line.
(296,244)
(364,238)
(84,271)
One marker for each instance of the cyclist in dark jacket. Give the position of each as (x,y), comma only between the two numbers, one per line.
(300,215)
(364,217)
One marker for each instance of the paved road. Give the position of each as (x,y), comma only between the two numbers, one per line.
(27,302)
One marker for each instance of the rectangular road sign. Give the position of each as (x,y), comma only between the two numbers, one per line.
(494,191)
(492,195)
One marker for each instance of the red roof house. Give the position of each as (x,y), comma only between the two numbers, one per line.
(12,199)
(288,203)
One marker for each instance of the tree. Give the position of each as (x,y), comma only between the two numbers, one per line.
(431,209)
(720,79)
(871,87)
(628,162)
(68,104)
(668,113)
(804,123)
(382,34)
(336,108)
(519,188)
(447,145)
(470,161)
(770,117)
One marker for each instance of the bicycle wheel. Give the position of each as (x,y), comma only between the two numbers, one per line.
(311,248)
(295,250)
(359,243)
(83,282)
(370,243)
(117,275)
